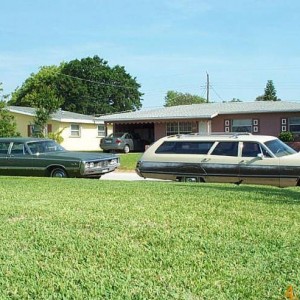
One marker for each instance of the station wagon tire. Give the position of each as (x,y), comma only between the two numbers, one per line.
(126,149)
(58,172)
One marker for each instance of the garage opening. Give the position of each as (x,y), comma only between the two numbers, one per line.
(145,131)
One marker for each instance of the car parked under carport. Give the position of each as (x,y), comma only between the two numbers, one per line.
(122,141)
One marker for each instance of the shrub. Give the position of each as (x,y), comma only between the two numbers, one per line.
(286,136)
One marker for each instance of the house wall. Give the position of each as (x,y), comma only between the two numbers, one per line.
(22,121)
(87,141)
(159,130)
(268,123)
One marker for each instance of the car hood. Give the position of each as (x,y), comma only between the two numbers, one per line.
(292,156)
(85,156)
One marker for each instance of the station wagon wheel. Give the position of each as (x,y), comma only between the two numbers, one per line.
(126,149)
(58,172)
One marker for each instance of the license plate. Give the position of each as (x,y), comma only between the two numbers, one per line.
(108,141)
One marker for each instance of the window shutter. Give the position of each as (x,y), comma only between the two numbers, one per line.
(28,130)
(49,128)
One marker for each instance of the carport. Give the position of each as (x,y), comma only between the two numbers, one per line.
(144,130)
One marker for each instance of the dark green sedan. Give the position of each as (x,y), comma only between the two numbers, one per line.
(44,157)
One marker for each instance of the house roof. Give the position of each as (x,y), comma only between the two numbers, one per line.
(204,111)
(62,116)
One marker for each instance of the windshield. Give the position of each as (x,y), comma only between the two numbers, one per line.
(279,148)
(44,147)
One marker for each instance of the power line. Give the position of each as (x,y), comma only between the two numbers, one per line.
(216,93)
(96,82)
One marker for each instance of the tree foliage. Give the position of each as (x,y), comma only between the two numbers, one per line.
(40,91)
(46,103)
(91,86)
(270,93)
(88,86)
(174,98)
(8,127)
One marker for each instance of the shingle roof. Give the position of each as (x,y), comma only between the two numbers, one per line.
(205,111)
(60,115)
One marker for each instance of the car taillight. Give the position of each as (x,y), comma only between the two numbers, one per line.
(118,141)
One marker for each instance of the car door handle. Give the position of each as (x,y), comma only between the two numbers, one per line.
(243,161)
(205,160)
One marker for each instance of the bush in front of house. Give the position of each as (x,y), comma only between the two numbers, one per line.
(286,136)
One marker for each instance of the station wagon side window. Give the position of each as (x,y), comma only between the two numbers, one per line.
(4,147)
(184,147)
(251,149)
(226,149)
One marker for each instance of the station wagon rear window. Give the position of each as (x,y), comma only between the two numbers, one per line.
(184,147)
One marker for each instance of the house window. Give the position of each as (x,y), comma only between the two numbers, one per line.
(294,124)
(101,130)
(242,125)
(75,130)
(179,128)
(34,130)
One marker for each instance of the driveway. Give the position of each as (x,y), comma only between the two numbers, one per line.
(128,176)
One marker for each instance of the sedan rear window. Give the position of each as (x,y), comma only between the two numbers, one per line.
(4,147)
(44,147)
(116,135)
(184,147)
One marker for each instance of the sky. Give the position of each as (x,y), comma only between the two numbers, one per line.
(164,44)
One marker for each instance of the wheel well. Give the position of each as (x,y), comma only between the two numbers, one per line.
(51,168)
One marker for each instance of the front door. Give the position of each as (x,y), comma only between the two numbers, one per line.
(257,166)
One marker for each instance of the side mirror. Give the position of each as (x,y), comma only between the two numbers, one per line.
(260,156)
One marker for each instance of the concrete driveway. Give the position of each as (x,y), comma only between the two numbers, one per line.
(128,176)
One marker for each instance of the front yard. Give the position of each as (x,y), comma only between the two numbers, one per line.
(90,239)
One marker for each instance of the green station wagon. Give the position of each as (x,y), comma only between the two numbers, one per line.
(44,157)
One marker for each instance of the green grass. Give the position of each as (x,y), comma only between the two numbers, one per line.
(91,239)
(128,161)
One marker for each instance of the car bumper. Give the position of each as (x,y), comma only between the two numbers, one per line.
(98,173)
(112,147)
(99,169)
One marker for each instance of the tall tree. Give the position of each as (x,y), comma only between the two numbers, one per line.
(270,93)
(91,86)
(46,103)
(41,92)
(174,98)
(87,86)
(35,84)
(8,127)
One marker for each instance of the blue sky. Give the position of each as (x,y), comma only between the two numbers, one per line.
(165,44)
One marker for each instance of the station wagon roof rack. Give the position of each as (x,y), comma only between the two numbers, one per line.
(233,134)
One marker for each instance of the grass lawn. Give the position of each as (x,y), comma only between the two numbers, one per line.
(93,239)
(128,161)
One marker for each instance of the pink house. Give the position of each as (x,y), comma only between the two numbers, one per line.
(259,117)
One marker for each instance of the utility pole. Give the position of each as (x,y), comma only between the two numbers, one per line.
(207,87)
